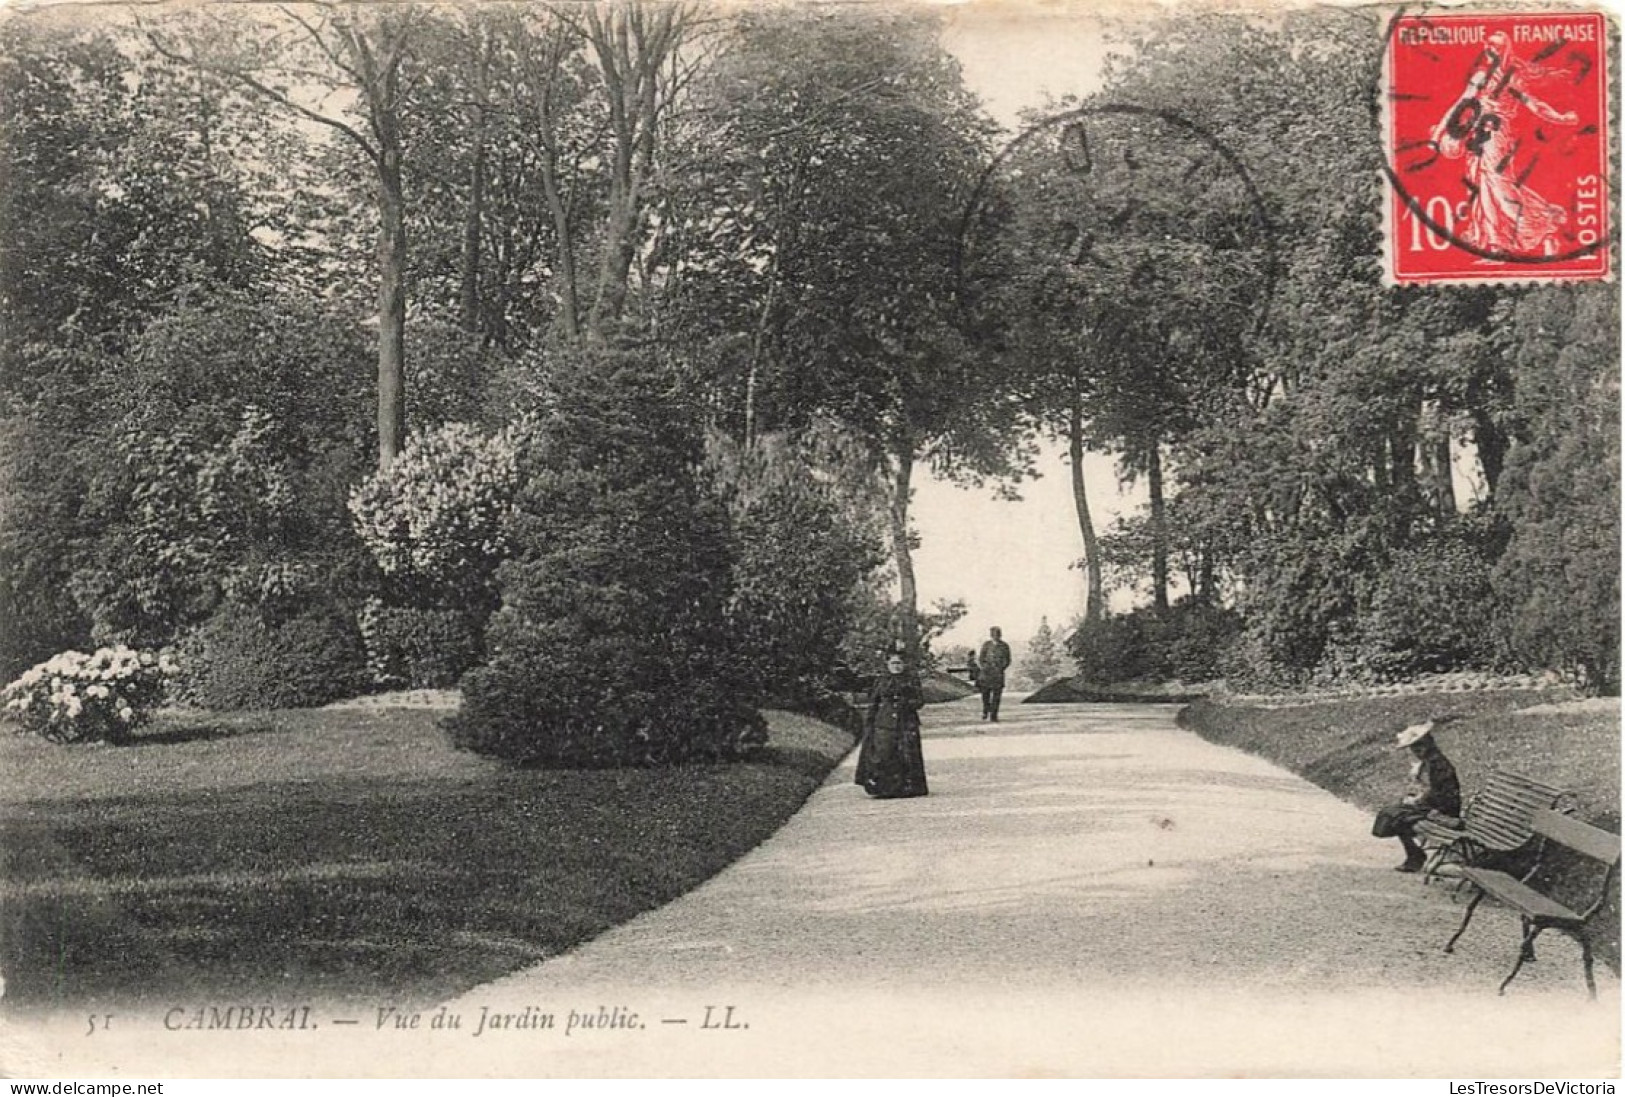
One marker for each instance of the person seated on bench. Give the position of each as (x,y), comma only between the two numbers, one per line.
(1437,791)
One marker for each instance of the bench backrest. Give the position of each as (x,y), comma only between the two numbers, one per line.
(1501,816)
(1598,844)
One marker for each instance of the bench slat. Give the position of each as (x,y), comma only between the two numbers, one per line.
(1500,817)
(1581,837)
(1520,896)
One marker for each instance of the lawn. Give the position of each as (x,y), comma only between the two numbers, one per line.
(344,855)
(1345,747)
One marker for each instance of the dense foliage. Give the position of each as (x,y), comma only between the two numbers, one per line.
(435,519)
(800,567)
(613,645)
(1187,642)
(311,343)
(1381,481)
(239,659)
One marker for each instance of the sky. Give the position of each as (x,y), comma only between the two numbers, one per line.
(1011,561)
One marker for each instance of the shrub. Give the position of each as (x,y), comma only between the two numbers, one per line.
(42,486)
(73,697)
(1197,635)
(240,660)
(1431,610)
(418,648)
(1248,662)
(1185,642)
(435,519)
(182,519)
(1560,576)
(800,557)
(1111,649)
(611,646)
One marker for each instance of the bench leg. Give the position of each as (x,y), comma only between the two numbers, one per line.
(1526,951)
(1472,906)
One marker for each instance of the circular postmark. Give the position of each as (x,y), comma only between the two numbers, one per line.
(1495,144)
(1123,198)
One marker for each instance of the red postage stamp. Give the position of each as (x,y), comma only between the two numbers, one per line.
(1497,147)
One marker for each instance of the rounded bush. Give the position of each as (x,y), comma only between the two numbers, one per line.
(1186,642)
(1432,610)
(436,518)
(238,660)
(73,697)
(419,648)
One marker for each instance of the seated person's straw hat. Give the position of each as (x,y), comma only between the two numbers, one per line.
(1413,734)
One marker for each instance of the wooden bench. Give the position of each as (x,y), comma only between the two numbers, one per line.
(1496,826)
(1537,910)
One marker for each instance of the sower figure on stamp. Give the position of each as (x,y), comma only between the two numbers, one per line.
(1436,791)
(1505,215)
(993,661)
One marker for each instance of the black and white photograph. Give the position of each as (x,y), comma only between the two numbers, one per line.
(892,539)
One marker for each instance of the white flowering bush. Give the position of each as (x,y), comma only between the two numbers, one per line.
(435,518)
(73,697)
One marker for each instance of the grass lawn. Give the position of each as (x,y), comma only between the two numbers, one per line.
(345,855)
(1346,747)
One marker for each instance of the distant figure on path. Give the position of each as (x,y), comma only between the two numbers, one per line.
(993,662)
(972,670)
(1437,790)
(891,763)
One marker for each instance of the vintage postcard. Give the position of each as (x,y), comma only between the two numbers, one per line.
(870,540)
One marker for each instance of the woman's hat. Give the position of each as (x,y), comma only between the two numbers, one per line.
(1413,734)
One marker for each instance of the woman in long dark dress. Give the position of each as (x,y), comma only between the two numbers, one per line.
(891,763)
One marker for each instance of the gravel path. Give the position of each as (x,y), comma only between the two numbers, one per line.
(1088,891)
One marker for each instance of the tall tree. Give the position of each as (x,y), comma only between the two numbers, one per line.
(1041,663)
(852,149)
(1125,303)
(121,198)
(341,50)
(1334,472)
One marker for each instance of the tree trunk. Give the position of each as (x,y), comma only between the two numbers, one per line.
(632,46)
(543,70)
(908,597)
(1402,459)
(1095,605)
(391,309)
(1438,481)
(569,297)
(758,344)
(473,218)
(1442,486)
(1492,445)
(1159,527)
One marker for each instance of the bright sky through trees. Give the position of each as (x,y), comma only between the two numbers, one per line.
(1011,561)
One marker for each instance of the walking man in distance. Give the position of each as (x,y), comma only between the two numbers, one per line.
(992,662)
